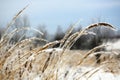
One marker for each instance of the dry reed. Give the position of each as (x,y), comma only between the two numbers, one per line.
(17,62)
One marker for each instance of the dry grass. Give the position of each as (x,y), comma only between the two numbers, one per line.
(17,62)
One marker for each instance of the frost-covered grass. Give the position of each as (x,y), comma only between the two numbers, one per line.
(17,62)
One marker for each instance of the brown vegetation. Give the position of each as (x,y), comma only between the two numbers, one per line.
(17,62)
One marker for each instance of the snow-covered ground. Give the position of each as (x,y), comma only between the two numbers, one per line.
(72,72)
(53,49)
(83,73)
(113,45)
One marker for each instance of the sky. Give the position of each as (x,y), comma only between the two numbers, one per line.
(62,12)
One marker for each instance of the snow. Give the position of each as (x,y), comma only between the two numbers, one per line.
(113,45)
(77,74)
(53,49)
(37,78)
(31,57)
(104,76)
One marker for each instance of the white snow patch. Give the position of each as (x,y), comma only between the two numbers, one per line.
(53,49)
(104,76)
(31,57)
(113,45)
(37,78)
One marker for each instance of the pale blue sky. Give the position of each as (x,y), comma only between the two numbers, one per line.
(62,12)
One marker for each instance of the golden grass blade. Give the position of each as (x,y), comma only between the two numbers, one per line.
(41,33)
(90,52)
(50,44)
(12,21)
(19,44)
(10,35)
(25,41)
(92,71)
(100,24)
(70,39)
(71,43)
(68,33)
(15,17)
